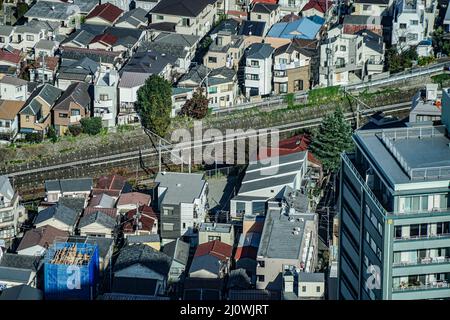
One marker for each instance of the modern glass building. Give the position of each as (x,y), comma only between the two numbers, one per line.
(394,238)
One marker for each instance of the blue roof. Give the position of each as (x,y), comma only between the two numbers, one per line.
(317,19)
(300,29)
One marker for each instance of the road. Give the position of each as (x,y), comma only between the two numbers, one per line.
(120,159)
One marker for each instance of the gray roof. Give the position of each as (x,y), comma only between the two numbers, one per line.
(362,20)
(134,17)
(76,204)
(13,81)
(125,36)
(20,261)
(45,44)
(69,185)
(52,10)
(183,8)
(252,28)
(372,40)
(207,262)
(77,93)
(311,277)
(259,51)
(78,69)
(217,76)
(97,217)
(149,62)
(59,212)
(143,238)
(143,255)
(21,292)
(15,275)
(264,7)
(47,92)
(177,39)
(181,187)
(132,79)
(80,38)
(178,250)
(6,30)
(6,189)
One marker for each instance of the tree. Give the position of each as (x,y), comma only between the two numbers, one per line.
(399,61)
(440,44)
(331,139)
(154,104)
(34,137)
(51,134)
(75,130)
(22,8)
(91,126)
(196,107)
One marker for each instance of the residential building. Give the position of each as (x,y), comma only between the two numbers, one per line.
(45,47)
(303,285)
(73,105)
(58,216)
(265,12)
(73,71)
(104,14)
(320,8)
(12,88)
(105,97)
(249,28)
(12,213)
(446,21)
(147,5)
(44,70)
(144,221)
(11,58)
(179,97)
(105,249)
(9,119)
(210,231)
(133,19)
(182,203)
(373,7)
(16,270)
(258,70)
(225,51)
(35,242)
(109,59)
(6,35)
(393,211)
(292,68)
(68,188)
(132,200)
(425,48)
(179,252)
(378,25)
(195,17)
(289,6)
(247,251)
(151,240)
(347,58)
(426,105)
(289,241)
(409,24)
(141,270)
(26,37)
(212,260)
(304,28)
(112,185)
(97,224)
(102,201)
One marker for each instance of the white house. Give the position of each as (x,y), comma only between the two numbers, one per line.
(97,224)
(12,88)
(373,7)
(72,188)
(105,96)
(258,70)
(11,212)
(9,118)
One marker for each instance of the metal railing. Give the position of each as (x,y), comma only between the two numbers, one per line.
(422,237)
(423,261)
(423,286)
(415,212)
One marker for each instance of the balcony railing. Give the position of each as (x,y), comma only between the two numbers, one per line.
(423,237)
(422,286)
(422,261)
(416,212)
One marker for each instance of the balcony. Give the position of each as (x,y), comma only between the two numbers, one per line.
(375,66)
(292,65)
(423,212)
(422,286)
(422,262)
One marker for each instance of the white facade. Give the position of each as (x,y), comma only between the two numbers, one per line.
(11,212)
(258,76)
(105,97)
(13,92)
(289,6)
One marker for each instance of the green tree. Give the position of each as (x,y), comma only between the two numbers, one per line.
(399,61)
(91,126)
(154,104)
(196,107)
(439,43)
(331,139)
(22,8)
(34,137)
(75,130)
(51,134)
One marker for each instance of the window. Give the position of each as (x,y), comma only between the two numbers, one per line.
(259,17)
(75,112)
(168,211)
(212,59)
(30,37)
(402,25)
(7,124)
(367,7)
(212,89)
(283,61)
(254,63)
(318,289)
(253,76)
(104,97)
(283,87)
(414,22)
(1,124)
(158,17)
(258,207)
(240,207)
(168,226)
(261,263)
(343,48)
(213,238)
(19,89)
(27,118)
(63,115)
(303,288)
(413,36)
(298,85)
(260,277)
(185,22)
(2,40)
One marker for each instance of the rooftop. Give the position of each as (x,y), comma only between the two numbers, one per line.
(181,187)
(216,227)
(182,8)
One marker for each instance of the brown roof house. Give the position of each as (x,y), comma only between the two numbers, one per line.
(9,118)
(71,107)
(112,185)
(104,14)
(142,222)
(132,200)
(211,260)
(36,241)
(44,70)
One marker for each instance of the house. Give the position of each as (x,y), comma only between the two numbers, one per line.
(133,19)
(73,105)
(133,76)
(258,70)
(17,269)
(102,201)
(373,7)
(109,59)
(12,214)
(289,241)
(226,50)
(112,185)
(409,24)
(182,203)
(97,224)
(252,28)
(179,252)
(151,240)
(263,181)
(104,14)
(44,69)
(105,97)
(131,200)
(425,48)
(58,216)
(45,48)
(36,241)
(63,13)
(304,28)
(246,252)
(9,118)
(72,188)
(346,58)
(355,23)
(303,285)
(320,8)
(426,105)
(289,6)
(6,35)
(292,68)
(11,57)
(147,5)
(21,292)
(72,71)
(13,88)
(79,39)
(26,37)
(212,260)
(265,12)
(141,270)
(180,46)
(143,222)
(195,17)
(179,97)
(210,231)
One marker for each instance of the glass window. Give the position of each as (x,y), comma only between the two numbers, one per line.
(213,238)
(75,112)
(240,207)
(318,289)
(303,288)
(258,207)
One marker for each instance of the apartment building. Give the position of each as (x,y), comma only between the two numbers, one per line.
(267,13)
(289,6)
(226,51)
(394,214)
(258,70)
(105,97)
(372,7)
(194,17)
(11,212)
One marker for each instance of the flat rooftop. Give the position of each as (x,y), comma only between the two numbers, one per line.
(215,227)
(408,155)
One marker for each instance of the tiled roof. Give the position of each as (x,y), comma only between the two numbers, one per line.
(109,211)
(105,38)
(183,8)
(13,57)
(148,219)
(42,236)
(10,108)
(77,93)
(51,63)
(214,248)
(134,198)
(97,217)
(106,11)
(319,5)
(143,255)
(111,182)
